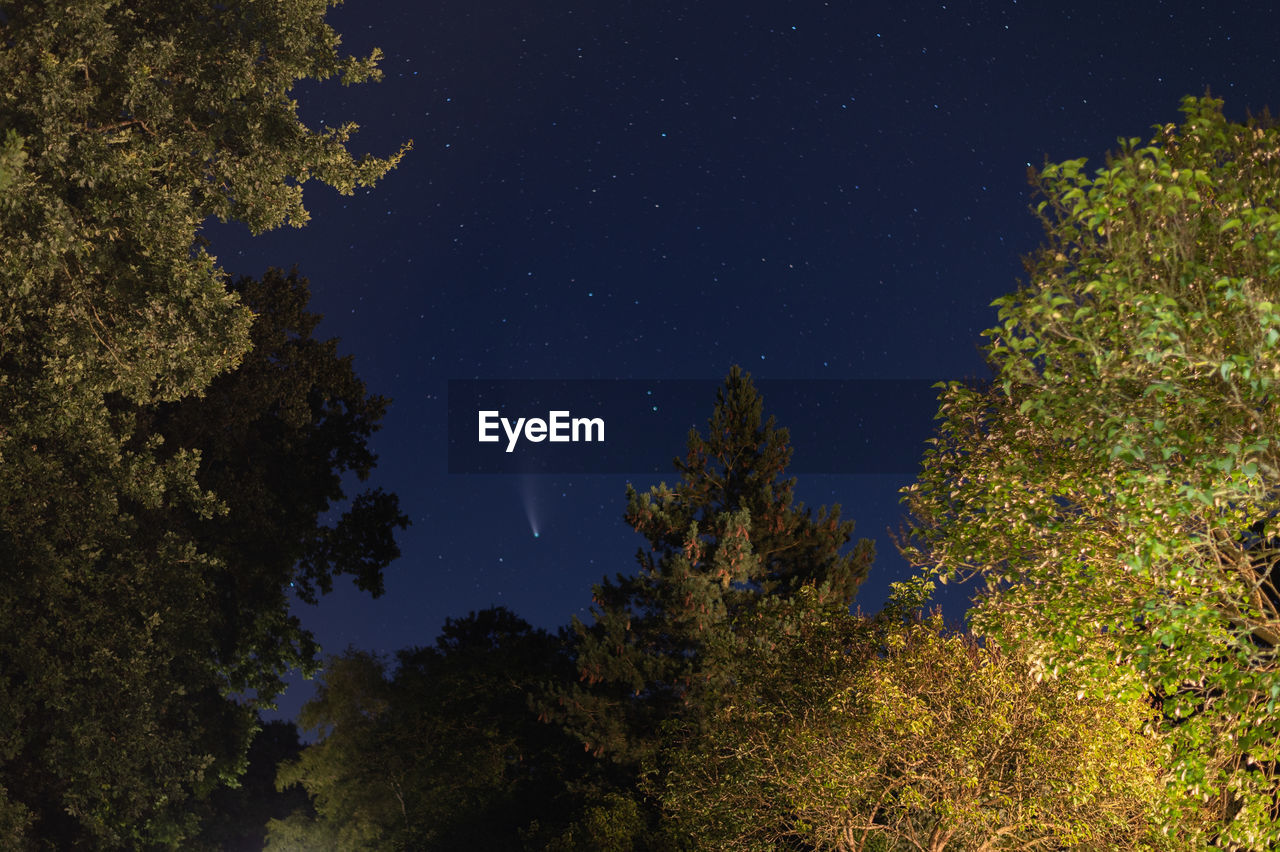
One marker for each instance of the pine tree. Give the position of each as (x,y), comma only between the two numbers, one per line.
(725,537)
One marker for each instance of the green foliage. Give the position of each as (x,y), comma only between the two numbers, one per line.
(123,127)
(139,122)
(234,819)
(12,158)
(276,437)
(615,824)
(15,822)
(724,538)
(355,798)
(445,754)
(121,665)
(844,732)
(1116,480)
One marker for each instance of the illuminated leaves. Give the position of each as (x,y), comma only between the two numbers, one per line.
(1106,485)
(895,733)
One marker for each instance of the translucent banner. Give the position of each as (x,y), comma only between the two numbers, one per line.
(583,426)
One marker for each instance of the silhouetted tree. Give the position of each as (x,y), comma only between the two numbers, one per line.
(273,441)
(726,537)
(445,753)
(234,819)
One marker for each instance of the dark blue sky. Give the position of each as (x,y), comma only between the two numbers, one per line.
(813,190)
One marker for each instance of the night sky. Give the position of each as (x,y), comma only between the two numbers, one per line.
(650,191)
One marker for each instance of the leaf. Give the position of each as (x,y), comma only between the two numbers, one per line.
(1096,521)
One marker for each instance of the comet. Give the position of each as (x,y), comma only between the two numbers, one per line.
(530,497)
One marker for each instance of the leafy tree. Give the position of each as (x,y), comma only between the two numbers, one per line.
(849,733)
(1106,485)
(235,818)
(610,820)
(355,799)
(446,753)
(274,439)
(125,126)
(727,536)
(138,123)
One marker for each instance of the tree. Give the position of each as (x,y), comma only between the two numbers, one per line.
(446,753)
(125,127)
(726,537)
(354,799)
(274,438)
(894,733)
(235,818)
(138,123)
(1105,485)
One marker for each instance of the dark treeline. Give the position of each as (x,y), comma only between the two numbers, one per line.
(724,697)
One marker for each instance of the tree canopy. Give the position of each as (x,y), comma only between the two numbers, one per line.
(234,819)
(728,535)
(276,438)
(166,660)
(848,733)
(138,122)
(125,626)
(1114,485)
(444,753)
(176,448)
